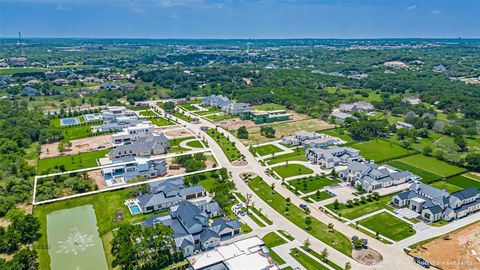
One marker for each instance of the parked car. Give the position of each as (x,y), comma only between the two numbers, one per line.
(421,262)
(303,206)
(101,146)
(241,213)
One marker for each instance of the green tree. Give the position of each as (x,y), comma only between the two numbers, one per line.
(267,131)
(242,133)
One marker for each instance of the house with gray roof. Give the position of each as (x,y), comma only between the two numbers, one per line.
(130,167)
(330,157)
(340,116)
(236,108)
(171,192)
(433,204)
(359,106)
(311,139)
(216,101)
(193,228)
(371,176)
(150,145)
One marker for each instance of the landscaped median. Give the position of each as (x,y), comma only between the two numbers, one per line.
(227,146)
(317,229)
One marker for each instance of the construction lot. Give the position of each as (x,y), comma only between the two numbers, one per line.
(78,146)
(460,252)
(286,128)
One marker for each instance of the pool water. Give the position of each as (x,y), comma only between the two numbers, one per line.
(134,209)
(69,121)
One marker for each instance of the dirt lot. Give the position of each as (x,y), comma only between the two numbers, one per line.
(286,128)
(454,254)
(177,132)
(78,146)
(97,177)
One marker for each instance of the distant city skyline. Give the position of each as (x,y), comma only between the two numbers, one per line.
(240,19)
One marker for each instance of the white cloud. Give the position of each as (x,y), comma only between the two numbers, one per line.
(412,7)
(436,12)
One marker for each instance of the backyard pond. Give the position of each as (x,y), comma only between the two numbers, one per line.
(73,240)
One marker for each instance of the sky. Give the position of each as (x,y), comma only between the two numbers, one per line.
(240,18)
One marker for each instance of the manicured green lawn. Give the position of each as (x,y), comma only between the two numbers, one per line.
(261,215)
(318,256)
(463,182)
(182,116)
(449,187)
(227,146)
(322,196)
(11,71)
(432,165)
(196,144)
(306,261)
(148,113)
(256,220)
(362,208)
(339,133)
(380,150)
(272,240)
(210,110)
(267,149)
(312,183)
(286,235)
(72,162)
(389,226)
(220,117)
(106,205)
(427,177)
(318,229)
(73,133)
(290,170)
(160,121)
(269,107)
(189,107)
(297,154)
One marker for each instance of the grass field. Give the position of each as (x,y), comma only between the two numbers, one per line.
(227,146)
(322,196)
(362,208)
(106,205)
(182,116)
(427,177)
(312,183)
(210,110)
(458,182)
(388,226)
(318,256)
(269,107)
(220,117)
(266,149)
(272,240)
(189,107)
(297,154)
(290,170)
(79,132)
(432,165)
(380,150)
(306,261)
(318,229)
(339,133)
(148,113)
(11,71)
(196,144)
(160,121)
(72,162)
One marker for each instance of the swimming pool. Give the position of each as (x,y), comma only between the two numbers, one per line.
(69,121)
(134,208)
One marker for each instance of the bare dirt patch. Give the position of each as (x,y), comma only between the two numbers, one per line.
(97,177)
(175,133)
(456,253)
(78,146)
(367,256)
